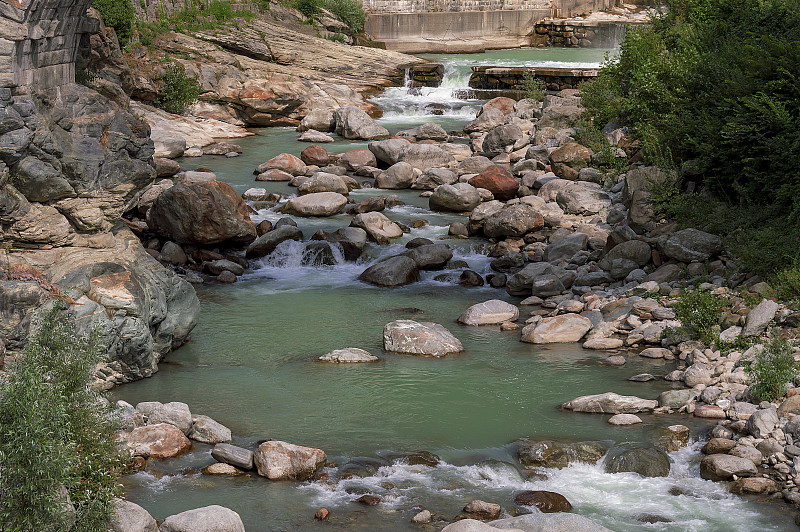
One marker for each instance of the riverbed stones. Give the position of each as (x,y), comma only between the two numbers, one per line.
(459,197)
(274,175)
(398,176)
(323,182)
(388,151)
(233,455)
(544,501)
(753,486)
(379,228)
(348,355)
(320,119)
(161,440)
(645,461)
(203,213)
(130,517)
(762,422)
(492,312)
(354,123)
(610,403)
(285,162)
(415,338)
(556,329)
(430,256)
(266,243)
(500,139)
(212,518)
(174,413)
(206,430)
(725,466)
(691,245)
(425,156)
(570,159)
(482,509)
(580,198)
(318,204)
(278,460)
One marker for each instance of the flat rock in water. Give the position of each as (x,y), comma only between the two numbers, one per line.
(642,377)
(610,403)
(159,441)
(624,419)
(710,412)
(221,469)
(207,519)
(316,204)
(483,509)
(351,354)
(233,455)
(312,135)
(414,338)
(379,228)
(563,328)
(206,430)
(725,466)
(394,271)
(534,522)
(492,312)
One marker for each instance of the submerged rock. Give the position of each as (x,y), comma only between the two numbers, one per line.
(646,461)
(549,453)
(610,403)
(350,354)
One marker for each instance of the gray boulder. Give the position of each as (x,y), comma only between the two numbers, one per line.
(579,198)
(353,123)
(233,455)
(278,460)
(206,430)
(762,422)
(635,251)
(414,338)
(431,256)
(323,182)
(433,177)
(130,517)
(725,466)
(424,156)
(492,312)
(398,176)
(427,131)
(522,282)
(266,243)
(174,413)
(691,245)
(207,519)
(610,403)
(759,317)
(501,137)
(316,204)
(394,271)
(490,118)
(351,239)
(377,226)
(388,151)
(646,461)
(513,220)
(319,120)
(566,248)
(348,355)
(533,522)
(460,197)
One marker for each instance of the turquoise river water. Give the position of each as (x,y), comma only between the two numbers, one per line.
(251,365)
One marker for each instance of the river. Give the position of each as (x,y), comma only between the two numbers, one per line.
(251,366)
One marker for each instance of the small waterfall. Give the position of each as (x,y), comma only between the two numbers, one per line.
(295,254)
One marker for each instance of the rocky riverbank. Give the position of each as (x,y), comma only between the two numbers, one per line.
(580,252)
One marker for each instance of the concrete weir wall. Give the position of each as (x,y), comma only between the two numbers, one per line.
(414,26)
(39,41)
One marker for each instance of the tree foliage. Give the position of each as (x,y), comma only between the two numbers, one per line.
(179,90)
(56,434)
(119,14)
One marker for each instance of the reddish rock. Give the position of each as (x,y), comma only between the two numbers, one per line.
(159,441)
(322,514)
(505,105)
(203,213)
(497,180)
(545,501)
(316,155)
(274,175)
(264,226)
(718,446)
(286,162)
(570,159)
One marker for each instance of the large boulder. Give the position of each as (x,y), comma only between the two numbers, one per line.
(460,197)
(130,517)
(691,245)
(489,119)
(266,243)
(762,422)
(285,162)
(639,184)
(355,159)
(541,277)
(725,466)
(323,182)
(646,461)
(433,177)
(426,131)
(580,198)
(610,403)
(759,318)
(414,338)
(318,119)
(316,155)
(565,248)
(316,204)
(635,251)
(559,117)
(278,460)
(378,227)
(394,271)
(533,522)
(207,519)
(398,176)
(492,312)
(159,441)
(388,151)
(513,220)
(353,123)
(497,180)
(424,156)
(174,413)
(500,138)
(568,160)
(206,430)
(556,329)
(431,256)
(203,213)
(351,239)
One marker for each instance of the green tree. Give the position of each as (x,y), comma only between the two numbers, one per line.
(179,91)
(56,434)
(119,14)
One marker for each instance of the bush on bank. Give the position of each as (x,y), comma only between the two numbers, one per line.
(56,435)
(713,88)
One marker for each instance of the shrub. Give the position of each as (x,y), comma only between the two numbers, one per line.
(179,90)
(351,12)
(56,434)
(772,368)
(119,14)
(699,313)
(534,87)
(337,37)
(309,8)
